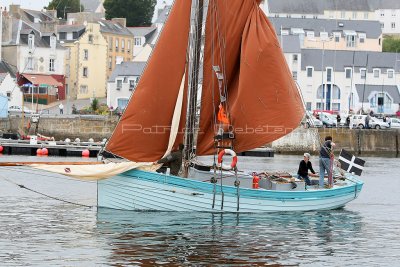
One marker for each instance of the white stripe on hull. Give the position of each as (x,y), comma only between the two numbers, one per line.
(128,193)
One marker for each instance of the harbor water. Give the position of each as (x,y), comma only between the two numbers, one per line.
(38,228)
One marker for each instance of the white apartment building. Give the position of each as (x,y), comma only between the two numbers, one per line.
(387,12)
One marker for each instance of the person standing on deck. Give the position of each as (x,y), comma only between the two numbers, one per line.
(325,159)
(304,166)
(173,160)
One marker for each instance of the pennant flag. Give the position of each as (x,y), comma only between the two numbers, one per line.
(350,163)
(222,115)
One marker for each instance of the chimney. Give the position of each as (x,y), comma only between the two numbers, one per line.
(15,11)
(121,21)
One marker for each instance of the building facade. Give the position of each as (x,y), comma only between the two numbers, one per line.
(86,61)
(122,83)
(387,12)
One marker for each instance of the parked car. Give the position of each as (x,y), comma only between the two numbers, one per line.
(327,119)
(18,110)
(376,123)
(310,121)
(394,122)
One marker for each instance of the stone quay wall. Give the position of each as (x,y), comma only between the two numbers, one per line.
(359,141)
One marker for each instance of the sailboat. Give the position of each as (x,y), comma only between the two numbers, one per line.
(218,83)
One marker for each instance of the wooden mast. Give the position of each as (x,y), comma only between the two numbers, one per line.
(193,87)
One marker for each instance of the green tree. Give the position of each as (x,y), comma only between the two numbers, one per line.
(64,7)
(136,12)
(391,44)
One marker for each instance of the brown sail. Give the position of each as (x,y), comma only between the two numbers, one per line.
(143,132)
(262,99)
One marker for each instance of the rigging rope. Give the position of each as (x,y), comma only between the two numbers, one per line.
(45,195)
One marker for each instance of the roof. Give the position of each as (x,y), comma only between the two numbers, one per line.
(163,14)
(290,43)
(42,16)
(90,5)
(108,26)
(2,77)
(41,79)
(148,32)
(340,59)
(319,6)
(70,28)
(372,29)
(127,69)
(392,90)
(7,68)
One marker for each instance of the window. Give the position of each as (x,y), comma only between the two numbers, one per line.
(116,44)
(348,73)
(343,14)
(354,15)
(123,45)
(336,106)
(85,72)
(67,70)
(90,39)
(85,54)
(29,63)
(131,85)
(366,15)
(110,43)
(335,92)
(329,74)
(362,37)
(363,73)
(129,46)
(350,40)
(51,64)
(122,103)
(295,58)
(376,73)
(320,106)
(62,35)
(83,89)
(31,41)
(309,71)
(382,25)
(75,35)
(294,74)
(382,13)
(310,35)
(393,25)
(390,74)
(138,41)
(284,32)
(393,13)
(337,37)
(308,106)
(110,63)
(324,36)
(119,84)
(288,16)
(53,42)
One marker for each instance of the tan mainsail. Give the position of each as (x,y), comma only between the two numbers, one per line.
(264,103)
(142,134)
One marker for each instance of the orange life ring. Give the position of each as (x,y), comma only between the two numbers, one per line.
(234,159)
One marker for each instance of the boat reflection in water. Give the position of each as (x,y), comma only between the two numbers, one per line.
(141,238)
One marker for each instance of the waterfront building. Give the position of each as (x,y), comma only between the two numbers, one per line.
(344,80)
(30,44)
(86,61)
(120,42)
(387,12)
(142,37)
(9,87)
(122,83)
(332,34)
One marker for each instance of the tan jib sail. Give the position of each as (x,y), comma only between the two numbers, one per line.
(263,101)
(143,133)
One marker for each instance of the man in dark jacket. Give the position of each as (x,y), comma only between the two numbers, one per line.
(325,159)
(304,166)
(173,161)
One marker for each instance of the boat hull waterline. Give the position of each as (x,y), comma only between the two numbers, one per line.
(149,191)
